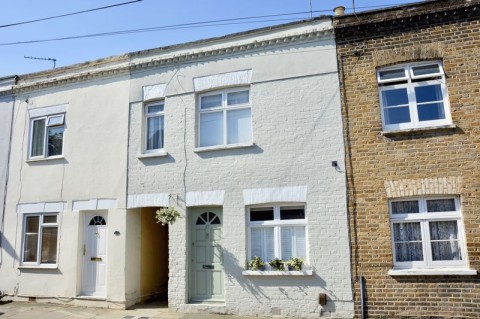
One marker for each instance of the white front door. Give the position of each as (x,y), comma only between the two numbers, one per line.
(94,282)
(207,278)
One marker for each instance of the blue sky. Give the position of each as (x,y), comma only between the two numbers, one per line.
(143,14)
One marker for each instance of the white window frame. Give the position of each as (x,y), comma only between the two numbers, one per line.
(410,82)
(45,135)
(146,116)
(41,226)
(276,224)
(424,217)
(224,108)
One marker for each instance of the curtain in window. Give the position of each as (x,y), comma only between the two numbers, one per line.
(293,242)
(405,207)
(239,126)
(155,131)
(31,239)
(408,242)
(49,245)
(262,243)
(38,137)
(444,237)
(441,205)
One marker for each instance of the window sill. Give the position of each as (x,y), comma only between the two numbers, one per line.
(153,154)
(51,158)
(308,272)
(419,130)
(433,272)
(222,147)
(38,267)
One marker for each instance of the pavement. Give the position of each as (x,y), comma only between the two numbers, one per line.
(33,310)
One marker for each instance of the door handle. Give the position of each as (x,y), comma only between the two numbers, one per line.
(208,267)
(96,259)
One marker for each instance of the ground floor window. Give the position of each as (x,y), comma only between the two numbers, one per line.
(277,231)
(427,232)
(40,235)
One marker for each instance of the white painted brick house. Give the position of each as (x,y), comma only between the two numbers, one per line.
(242,134)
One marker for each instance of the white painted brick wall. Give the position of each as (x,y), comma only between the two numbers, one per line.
(297,132)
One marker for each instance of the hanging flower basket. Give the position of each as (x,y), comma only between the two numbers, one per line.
(167,215)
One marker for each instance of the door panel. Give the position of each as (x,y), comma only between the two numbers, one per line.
(207,275)
(94,274)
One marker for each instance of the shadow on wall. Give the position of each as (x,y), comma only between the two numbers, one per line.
(286,285)
(8,248)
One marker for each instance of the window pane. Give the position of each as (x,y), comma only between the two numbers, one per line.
(210,101)
(152,109)
(211,129)
(426,69)
(392,74)
(31,239)
(239,123)
(408,252)
(441,205)
(55,140)
(38,137)
(431,112)
(407,232)
(292,213)
(50,219)
(155,132)
(293,242)
(429,93)
(256,243)
(397,115)
(49,245)
(235,98)
(445,243)
(405,207)
(261,214)
(55,120)
(395,97)
(262,243)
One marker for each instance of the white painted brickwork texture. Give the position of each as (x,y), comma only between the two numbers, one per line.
(297,133)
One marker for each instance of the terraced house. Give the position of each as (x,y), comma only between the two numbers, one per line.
(410,101)
(240,134)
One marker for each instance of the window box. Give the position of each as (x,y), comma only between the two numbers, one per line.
(427,233)
(413,96)
(307,272)
(224,118)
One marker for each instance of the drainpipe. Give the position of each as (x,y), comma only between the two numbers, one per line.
(362,297)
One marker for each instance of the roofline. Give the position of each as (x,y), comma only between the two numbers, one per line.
(125,57)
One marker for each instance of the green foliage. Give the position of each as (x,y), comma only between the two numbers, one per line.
(277,263)
(256,263)
(295,263)
(167,215)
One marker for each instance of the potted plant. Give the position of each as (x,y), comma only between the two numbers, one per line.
(167,215)
(277,263)
(295,263)
(256,264)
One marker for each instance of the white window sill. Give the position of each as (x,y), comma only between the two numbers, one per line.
(161,153)
(38,267)
(308,272)
(41,159)
(418,129)
(222,147)
(433,272)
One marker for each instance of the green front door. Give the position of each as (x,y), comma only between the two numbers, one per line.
(206,255)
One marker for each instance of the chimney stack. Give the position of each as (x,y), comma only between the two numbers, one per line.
(339,11)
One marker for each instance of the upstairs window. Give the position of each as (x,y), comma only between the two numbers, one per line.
(413,96)
(225,118)
(46,136)
(427,232)
(155,126)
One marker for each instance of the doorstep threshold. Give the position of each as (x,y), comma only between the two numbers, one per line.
(96,298)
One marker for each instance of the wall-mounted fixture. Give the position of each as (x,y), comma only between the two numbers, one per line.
(334,164)
(116,233)
(322,299)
